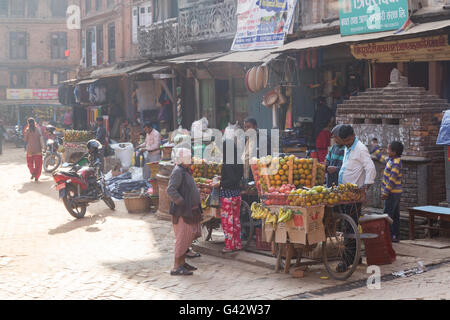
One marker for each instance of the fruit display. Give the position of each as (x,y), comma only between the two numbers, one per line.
(278,171)
(213,169)
(320,195)
(78,136)
(203,181)
(285,215)
(203,169)
(259,211)
(278,196)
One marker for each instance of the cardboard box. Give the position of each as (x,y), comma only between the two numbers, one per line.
(307,227)
(268,232)
(281,233)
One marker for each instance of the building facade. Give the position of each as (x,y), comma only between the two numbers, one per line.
(38,53)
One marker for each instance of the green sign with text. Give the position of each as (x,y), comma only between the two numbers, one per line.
(367,16)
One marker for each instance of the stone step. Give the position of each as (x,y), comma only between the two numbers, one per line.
(396,100)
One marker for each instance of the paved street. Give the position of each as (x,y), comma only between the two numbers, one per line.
(47,254)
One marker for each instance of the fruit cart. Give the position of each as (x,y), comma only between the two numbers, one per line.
(75,144)
(298,214)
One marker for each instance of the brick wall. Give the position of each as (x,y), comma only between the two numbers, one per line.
(412,116)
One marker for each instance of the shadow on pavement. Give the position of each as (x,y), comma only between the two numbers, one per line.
(82,223)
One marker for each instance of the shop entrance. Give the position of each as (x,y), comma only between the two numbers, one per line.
(418,74)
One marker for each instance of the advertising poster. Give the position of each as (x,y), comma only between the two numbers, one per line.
(262,24)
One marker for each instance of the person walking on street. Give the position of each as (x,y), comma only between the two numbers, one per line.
(334,158)
(391,187)
(185,209)
(230,199)
(33,139)
(357,168)
(2,132)
(152,145)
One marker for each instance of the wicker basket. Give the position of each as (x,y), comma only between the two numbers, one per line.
(136,203)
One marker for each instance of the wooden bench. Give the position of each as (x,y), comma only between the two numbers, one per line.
(429,212)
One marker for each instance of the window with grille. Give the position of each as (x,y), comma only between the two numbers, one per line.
(99,30)
(59,8)
(32,7)
(88,6)
(57,77)
(98,5)
(17,45)
(4,8)
(58,45)
(110,3)
(18,79)
(18,8)
(111,43)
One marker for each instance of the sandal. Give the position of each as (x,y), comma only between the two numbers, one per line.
(181,271)
(193,254)
(187,266)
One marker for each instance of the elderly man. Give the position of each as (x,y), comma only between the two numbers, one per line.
(357,168)
(152,146)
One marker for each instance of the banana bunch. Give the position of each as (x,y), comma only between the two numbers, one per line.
(271,218)
(284,215)
(259,211)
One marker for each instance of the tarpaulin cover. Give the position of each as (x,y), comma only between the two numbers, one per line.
(444,132)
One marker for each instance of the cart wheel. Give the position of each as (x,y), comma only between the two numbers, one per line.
(342,246)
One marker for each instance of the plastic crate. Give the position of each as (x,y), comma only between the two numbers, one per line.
(261,245)
(379,251)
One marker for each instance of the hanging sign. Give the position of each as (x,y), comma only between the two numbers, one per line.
(367,16)
(32,94)
(434,48)
(262,24)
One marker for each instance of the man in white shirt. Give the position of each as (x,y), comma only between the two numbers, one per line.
(152,146)
(357,168)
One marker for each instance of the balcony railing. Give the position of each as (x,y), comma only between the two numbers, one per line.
(211,22)
(160,39)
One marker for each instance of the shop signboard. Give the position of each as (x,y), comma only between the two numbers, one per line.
(367,16)
(262,24)
(434,48)
(32,94)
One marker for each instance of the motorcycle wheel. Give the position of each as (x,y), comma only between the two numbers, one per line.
(75,211)
(110,203)
(52,162)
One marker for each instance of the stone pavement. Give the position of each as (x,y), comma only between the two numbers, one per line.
(47,254)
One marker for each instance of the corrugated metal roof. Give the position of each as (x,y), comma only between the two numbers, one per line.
(115,71)
(247,56)
(193,58)
(337,38)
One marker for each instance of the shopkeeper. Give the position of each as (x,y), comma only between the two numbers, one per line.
(357,168)
(152,145)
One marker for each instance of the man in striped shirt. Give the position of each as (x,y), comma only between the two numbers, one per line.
(391,187)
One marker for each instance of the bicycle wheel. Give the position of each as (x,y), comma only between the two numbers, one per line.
(342,248)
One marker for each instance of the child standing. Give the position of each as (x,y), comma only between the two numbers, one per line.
(391,187)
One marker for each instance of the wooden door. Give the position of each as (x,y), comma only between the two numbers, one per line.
(207,101)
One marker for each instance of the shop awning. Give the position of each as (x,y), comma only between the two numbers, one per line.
(87,81)
(31,103)
(195,58)
(117,71)
(247,56)
(338,39)
(151,69)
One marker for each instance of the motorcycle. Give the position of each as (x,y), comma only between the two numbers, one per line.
(81,185)
(19,140)
(52,159)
